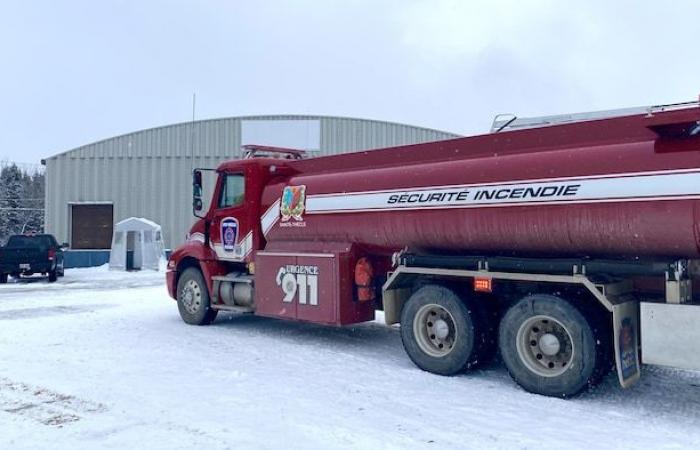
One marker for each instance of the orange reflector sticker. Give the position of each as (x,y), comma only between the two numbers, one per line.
(482,284)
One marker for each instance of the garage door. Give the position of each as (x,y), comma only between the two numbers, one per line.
(91,226)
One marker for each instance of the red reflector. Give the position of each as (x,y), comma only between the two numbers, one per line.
(483,285)
(364,277)
(52,254)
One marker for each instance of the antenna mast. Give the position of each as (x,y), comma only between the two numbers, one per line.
(194,99)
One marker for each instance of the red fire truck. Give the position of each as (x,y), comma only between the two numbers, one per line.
(567,243)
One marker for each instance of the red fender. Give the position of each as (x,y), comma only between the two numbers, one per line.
(202,255)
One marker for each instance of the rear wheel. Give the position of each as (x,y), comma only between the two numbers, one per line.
(193,298)
(439,331)
(548,346)
(52,276)
(3,278)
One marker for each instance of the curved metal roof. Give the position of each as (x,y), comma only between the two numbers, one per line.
(221,137)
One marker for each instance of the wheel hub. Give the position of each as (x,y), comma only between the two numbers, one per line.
(441,328)
(545,346)
(549,344)
(434,329)
(191,297)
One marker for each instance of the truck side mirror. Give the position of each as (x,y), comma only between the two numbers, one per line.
(197,190)
(65,246)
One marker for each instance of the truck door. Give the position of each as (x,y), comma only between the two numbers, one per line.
(231,228)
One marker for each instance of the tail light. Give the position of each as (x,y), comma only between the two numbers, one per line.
(364,278)
(52,254)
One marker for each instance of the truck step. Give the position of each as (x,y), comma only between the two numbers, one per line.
(237,309)
(234,278)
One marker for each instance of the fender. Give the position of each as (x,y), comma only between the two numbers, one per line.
(192,253)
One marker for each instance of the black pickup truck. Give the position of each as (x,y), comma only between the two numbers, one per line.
(30,254)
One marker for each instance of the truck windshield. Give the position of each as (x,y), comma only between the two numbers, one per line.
(233,191)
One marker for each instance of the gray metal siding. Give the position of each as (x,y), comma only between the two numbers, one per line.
(155,188)
(147,173)
(340,136)
(222,138)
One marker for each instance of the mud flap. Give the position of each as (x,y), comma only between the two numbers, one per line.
(626,333)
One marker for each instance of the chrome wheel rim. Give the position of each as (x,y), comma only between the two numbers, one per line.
(191,297)
(435,331)
(545,346)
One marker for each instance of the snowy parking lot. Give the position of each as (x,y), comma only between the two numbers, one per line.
(102,359)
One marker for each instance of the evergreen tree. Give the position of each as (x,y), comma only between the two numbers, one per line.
(21,201)
(10,219)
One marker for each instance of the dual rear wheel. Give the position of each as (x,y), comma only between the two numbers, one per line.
(548,346)
(443,333)
(553,348)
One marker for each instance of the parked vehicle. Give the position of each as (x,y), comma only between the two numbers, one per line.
(545,239)
(27,254)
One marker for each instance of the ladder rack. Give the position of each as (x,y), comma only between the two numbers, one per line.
(256,151)
(510,122)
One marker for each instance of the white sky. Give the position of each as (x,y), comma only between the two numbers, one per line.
(73,72)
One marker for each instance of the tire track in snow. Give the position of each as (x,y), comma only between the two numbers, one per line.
(43,405)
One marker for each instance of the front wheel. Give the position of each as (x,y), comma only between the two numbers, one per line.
(548,346)
(439,331)
(193,298)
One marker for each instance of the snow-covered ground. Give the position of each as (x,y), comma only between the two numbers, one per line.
(102,360)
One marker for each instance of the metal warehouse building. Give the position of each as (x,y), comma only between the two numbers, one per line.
(148,173)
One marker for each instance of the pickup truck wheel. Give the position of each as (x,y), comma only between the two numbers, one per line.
(53,276)
(193,298)
(548,346)
(3,278)
(438,332)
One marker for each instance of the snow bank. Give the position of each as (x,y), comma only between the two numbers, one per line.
(102,359)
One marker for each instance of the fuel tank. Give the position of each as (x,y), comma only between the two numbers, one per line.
(621,187)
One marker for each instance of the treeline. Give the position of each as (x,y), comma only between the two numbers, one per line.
(21,201)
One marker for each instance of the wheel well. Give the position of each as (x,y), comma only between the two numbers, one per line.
(505,294)
(186,263)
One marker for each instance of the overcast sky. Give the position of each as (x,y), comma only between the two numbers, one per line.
(73,72)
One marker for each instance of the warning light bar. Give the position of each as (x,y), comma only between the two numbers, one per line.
(483,285)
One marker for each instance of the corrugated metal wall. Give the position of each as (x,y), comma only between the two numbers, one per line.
(147,173)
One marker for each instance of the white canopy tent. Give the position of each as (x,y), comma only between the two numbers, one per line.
(142,236)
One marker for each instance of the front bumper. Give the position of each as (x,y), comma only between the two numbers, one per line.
(170,278)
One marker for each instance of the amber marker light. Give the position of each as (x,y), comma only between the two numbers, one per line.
(483,285)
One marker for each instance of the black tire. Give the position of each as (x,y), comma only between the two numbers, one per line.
(461,324)
(487,316)
(3,278)
(53,276)
(561,369)
(602,326)
(193,298)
